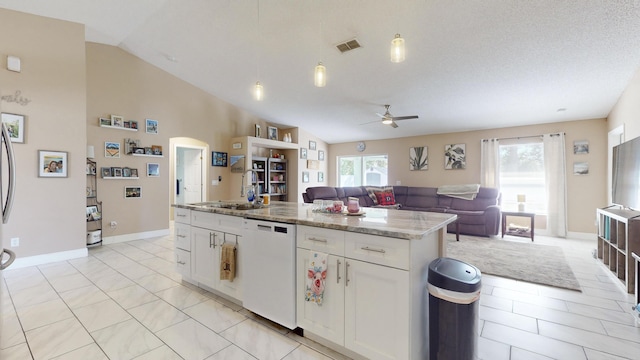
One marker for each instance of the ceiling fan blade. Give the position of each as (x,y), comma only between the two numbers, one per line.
(382,116)
(393,125)
(404,117)
(370,122)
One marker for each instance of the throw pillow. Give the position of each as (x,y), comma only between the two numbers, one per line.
(385,197)
(371,191)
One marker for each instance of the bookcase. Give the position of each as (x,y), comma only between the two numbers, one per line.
(618,236)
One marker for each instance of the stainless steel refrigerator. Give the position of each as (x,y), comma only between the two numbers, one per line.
(7,190)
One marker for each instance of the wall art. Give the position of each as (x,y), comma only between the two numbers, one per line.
(418,158)
(52,164)
(455,156)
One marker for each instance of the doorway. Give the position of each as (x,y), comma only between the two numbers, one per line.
(190,170)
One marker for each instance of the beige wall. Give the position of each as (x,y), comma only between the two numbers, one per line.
(581,208)
(304,138)
(49,214)
(122,84)
(627,111)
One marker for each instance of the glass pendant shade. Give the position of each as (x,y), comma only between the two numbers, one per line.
(259,91)
(320,76)
(397,49)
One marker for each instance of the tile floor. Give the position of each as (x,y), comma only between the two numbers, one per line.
(125,301)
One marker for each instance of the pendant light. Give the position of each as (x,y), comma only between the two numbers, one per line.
(397,49)
(320,73)
(320,77)
(258,89)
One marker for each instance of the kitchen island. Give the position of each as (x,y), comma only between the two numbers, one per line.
(374,298)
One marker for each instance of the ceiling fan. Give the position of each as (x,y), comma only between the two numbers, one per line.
(388,119)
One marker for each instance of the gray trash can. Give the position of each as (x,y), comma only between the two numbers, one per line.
(454,291)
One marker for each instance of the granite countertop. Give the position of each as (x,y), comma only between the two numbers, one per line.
(402,224)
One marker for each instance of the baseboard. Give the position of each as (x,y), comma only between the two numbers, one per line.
(49,258)
(135,236)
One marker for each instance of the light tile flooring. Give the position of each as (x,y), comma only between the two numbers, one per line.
(125,301)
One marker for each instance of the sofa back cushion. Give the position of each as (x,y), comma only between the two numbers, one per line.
(359,192)
(322,193)
(486,197)
(420,197)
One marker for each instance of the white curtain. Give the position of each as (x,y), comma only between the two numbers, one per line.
(556,183)
(490,163)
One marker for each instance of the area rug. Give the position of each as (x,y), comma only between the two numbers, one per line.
(530,262)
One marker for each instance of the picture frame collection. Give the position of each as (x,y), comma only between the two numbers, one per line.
(118,172)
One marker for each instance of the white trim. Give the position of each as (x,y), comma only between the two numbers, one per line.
(49,258)
(135,236)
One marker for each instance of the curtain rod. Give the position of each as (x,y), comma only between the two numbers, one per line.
(524,137)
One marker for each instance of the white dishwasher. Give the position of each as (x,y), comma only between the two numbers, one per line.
(269,264)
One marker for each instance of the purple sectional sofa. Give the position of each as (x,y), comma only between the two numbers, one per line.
(480,216)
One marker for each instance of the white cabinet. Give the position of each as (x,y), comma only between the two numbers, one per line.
(376,323)
(365,304)
(209,232)
(182,241)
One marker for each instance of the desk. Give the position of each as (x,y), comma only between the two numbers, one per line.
(531,216)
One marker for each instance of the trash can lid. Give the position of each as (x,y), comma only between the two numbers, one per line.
(455,275)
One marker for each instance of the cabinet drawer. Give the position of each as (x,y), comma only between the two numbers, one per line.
(182,238)
(181,215)
(377,249)
(228,223)
(319,239)
(183,262)
(202,219)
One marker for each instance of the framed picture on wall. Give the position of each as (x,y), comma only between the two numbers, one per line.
(305,176)
(111,149)
(152,126)
(153,169)
(52,163)
(218,158)
(272,132)
(15,126)
(132,192)
(320,155)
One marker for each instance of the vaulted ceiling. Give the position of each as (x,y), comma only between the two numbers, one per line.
(470,64)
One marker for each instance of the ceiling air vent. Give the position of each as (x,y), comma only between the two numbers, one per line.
(348,45)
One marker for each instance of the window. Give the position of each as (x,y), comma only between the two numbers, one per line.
(522,172)
(362,170)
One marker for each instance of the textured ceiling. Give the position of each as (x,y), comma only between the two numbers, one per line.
(470,64)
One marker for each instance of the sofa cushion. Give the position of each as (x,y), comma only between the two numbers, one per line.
(421,197)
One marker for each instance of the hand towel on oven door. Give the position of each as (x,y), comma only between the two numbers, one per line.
(228,262)
(316,276)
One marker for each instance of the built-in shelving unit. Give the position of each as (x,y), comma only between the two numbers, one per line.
(272,156)
(618,236)
(94,218)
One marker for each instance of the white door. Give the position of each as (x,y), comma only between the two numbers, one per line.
(376,310)
(326,320)
(192,175)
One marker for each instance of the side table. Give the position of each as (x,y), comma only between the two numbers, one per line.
(531,216)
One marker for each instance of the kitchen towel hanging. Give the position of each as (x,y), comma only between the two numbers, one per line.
(316,275)
(228,262)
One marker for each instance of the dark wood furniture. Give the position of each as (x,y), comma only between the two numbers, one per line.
(528,234)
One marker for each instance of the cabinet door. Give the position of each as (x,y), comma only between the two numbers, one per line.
(203,256)
(376,310)
(326,320)
(231,288)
